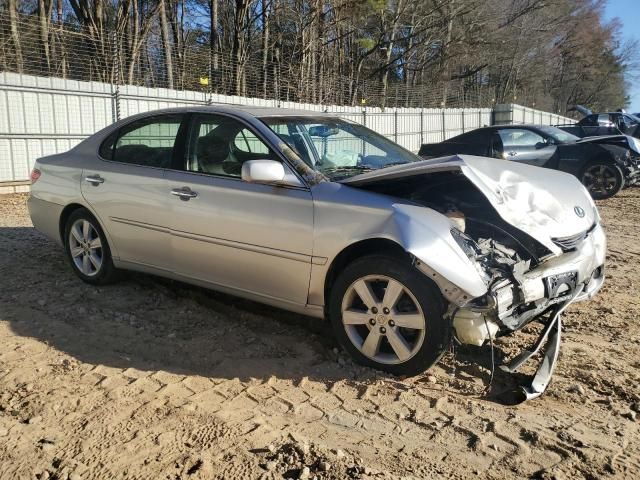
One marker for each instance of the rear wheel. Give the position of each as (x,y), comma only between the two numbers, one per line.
(388,315)
(603,180)
(87,249)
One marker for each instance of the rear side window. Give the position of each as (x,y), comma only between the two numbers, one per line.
(148,142)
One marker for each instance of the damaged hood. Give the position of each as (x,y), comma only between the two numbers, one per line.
(543,203)
(628,141)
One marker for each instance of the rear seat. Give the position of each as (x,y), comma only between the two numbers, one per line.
(144,155)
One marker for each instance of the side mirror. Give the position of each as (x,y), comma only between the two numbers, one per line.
(540,145)
(262,171)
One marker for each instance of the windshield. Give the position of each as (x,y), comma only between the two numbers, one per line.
(338,148)
(634,117)
(559,135)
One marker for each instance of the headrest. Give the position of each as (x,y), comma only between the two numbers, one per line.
(212,149)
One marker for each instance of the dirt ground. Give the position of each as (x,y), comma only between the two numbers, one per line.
(155,379)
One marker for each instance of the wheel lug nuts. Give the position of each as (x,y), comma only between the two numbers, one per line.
(372,321)
(383,330)
(374,310)
(385,310)
(392,323)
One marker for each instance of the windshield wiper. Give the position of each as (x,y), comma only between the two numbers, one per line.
(346,171)
(393,164)
(347,168)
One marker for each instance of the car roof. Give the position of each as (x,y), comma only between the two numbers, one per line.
(240,110)
(501,127)
(523,125)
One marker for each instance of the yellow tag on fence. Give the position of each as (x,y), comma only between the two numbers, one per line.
(204,81)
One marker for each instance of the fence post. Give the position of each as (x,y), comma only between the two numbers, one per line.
(444,128)
(479,117)
(395,124)
(115,78)
(422,126)
(364,122)
(463,110)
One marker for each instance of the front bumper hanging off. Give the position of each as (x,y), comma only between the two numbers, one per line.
(552,335)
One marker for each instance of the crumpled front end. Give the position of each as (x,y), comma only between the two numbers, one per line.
(626,152)
(519,292)
(505,243)
(631,169)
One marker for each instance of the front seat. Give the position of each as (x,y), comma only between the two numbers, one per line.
(212,152)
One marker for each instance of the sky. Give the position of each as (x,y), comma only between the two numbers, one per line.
(628,11)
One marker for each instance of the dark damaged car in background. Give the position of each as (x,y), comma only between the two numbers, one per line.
(319,215)
(603,123)
(603,164)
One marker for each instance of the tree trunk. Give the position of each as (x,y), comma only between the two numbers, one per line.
(265,45)
(214,43)
(238,44)
(166,43)
(15,35)
(44,17)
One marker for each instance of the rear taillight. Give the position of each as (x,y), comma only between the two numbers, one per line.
(35,175)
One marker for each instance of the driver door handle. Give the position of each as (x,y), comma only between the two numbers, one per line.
(512,154)
(94,180)
(184,193)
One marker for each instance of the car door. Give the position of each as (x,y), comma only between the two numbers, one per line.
(127,189)
(525,145)
(249,237)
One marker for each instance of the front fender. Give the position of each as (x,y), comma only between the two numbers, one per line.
(426,234)
(345,216)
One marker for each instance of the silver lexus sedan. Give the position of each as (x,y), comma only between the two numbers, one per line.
(322,216)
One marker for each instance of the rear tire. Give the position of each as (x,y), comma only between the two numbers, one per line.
(87,249)
(602,179)
(400,327)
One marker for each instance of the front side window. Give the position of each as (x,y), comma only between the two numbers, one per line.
(148,142)
(516,137)
(219,145)
(560,136)
(337,148)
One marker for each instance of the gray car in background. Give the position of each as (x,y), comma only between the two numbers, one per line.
(321,216)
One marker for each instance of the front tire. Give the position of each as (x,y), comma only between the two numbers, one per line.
(388,315)
(87,249)
(602,179)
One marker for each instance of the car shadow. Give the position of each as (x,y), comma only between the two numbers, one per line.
(149,323)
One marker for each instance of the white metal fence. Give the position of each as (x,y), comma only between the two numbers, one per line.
(46,115)
(506,114)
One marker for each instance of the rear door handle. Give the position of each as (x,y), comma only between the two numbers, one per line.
(94,180)
(512,154)
(184,193)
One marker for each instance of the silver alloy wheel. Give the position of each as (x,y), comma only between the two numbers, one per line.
(383,319)
(600,179)
(85,247)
